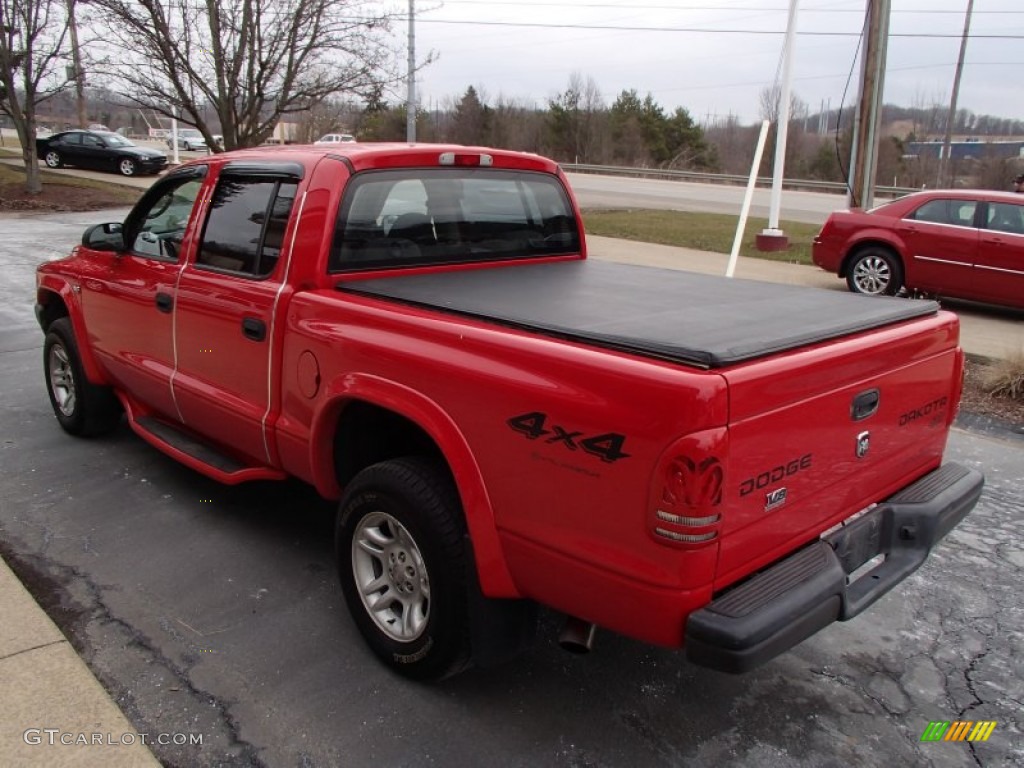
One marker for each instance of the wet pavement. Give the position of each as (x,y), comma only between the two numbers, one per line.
(212,610)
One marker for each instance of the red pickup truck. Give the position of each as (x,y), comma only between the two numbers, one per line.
(720,465)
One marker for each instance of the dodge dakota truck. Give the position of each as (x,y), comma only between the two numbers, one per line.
(717,465)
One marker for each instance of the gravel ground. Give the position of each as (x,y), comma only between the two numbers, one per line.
(975,400)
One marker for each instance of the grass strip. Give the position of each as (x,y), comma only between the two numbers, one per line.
(65,187)
(702,231)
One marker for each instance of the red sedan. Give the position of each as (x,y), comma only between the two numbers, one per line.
(966,244)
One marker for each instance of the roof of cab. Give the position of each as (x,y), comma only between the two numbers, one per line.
(373,156)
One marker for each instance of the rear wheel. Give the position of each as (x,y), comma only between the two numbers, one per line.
(875,271)
(81,408)
(402,564)
(53,159)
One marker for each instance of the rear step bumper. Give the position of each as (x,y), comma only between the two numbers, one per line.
(790,601)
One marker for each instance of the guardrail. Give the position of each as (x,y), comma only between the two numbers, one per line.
(814,185)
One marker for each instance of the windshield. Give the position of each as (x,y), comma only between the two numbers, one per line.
(447,216)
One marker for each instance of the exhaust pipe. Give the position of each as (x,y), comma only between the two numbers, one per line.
(577,635)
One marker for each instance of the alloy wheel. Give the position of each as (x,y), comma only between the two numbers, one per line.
(391,577)
(62,380)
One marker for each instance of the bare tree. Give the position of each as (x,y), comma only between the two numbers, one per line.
(32,40)
(252,61)
(329,116)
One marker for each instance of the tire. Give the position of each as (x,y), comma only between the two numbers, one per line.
(53,159)
(127,166)
(875,271)
(402,565)
(81,408)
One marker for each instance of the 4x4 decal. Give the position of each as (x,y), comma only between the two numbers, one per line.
(608,446)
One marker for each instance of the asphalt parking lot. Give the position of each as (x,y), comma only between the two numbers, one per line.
(214,610)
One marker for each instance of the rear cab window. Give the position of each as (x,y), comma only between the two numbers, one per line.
(424,217)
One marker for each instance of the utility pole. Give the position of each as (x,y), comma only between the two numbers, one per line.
(76,60)
(945,177)
(864,161)
(410,100)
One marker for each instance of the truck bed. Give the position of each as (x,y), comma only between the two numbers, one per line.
(693,319)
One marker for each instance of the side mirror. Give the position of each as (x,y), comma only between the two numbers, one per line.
(104,237)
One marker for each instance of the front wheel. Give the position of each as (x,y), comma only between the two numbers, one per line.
(402,565)
(53,159)
(876,272)
(127,167)
(81,407)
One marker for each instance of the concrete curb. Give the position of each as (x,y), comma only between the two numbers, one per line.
(53,711)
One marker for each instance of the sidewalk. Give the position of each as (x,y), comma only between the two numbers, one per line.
(53,712)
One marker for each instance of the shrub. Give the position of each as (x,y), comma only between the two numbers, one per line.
(1005,378)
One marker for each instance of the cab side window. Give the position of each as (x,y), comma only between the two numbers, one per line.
(1006,217)
(245,228)
(162,224)
(959,213)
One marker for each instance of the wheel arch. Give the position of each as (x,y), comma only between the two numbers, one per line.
(56,299)
(873,240)
(382,419)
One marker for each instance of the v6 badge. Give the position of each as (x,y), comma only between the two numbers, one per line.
(775,499)
(863,444)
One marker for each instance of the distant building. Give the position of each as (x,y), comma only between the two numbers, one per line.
(972,149)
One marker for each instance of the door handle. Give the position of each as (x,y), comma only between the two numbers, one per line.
(254,329)
(164,302)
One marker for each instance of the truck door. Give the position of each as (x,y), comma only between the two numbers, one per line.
(225,307)
(128,305)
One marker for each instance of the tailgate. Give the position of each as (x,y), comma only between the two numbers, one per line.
(818,435)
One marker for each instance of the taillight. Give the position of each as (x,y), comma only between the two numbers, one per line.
(959,372)
(686,495)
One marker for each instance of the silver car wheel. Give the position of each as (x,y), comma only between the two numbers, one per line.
(62,380)
(127,167)
(391,577)
(872,275)
(53,160)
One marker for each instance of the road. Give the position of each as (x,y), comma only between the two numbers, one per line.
(596,191)
(216,611)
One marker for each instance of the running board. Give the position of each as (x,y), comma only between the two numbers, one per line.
(200,456)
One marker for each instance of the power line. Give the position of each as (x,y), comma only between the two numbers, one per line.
(706,30)
(727,8)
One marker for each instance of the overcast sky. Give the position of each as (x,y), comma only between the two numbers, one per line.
(714,71)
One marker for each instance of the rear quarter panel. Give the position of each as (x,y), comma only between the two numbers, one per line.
(569,522)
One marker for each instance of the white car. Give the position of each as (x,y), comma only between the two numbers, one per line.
(336,138)
(189,139)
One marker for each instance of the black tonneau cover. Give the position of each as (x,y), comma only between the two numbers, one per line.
(684,317)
